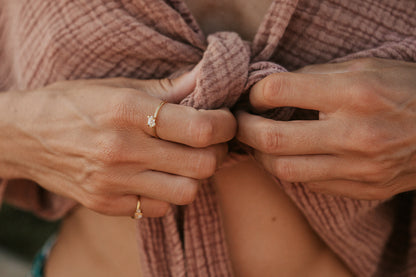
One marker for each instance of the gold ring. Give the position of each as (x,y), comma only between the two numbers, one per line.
(138,213)
(152,119)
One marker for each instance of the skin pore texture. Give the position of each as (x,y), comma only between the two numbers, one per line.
(265,232)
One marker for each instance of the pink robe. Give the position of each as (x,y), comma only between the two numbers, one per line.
(43,41)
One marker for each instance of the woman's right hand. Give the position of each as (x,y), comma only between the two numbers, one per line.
(89,140)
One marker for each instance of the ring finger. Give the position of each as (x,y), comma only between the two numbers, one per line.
(186,125)
(125,180)
(125,205)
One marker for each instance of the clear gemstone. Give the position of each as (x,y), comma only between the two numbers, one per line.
(151,121)
(138,214)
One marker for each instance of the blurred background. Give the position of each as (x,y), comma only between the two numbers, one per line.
(21,236)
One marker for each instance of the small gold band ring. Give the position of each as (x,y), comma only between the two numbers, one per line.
(152,119)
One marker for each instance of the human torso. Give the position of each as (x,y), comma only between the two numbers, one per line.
(243,17)
(265,233)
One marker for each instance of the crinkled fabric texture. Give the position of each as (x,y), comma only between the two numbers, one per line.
(43,41)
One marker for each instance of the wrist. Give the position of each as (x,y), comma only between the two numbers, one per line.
(11,166)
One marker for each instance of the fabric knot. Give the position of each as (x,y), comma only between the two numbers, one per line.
(223,74)
(227,72)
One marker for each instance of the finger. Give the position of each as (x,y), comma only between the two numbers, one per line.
(322,92)
(197,163)
(170,90)
(149,207)
(307,168)
(126,205)
(162,186)
(144,152)
(170,188)
(362,64)
(177,123)
(153,207)
(186,125)
(351,189)
(327,68)
(285,138)
(366,190)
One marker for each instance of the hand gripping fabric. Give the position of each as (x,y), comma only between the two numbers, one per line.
(44,41)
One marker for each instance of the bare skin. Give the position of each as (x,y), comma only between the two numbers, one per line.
(243,17)
(252,206)
(265,232)
(101,152)
(266,211)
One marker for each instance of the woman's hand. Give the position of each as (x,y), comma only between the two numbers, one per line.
(363,145)
(89,140)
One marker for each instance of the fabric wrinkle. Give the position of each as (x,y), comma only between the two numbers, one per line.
(147,39)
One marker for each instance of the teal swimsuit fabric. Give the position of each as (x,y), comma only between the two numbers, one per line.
(41,257)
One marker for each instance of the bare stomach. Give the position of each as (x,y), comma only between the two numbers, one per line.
(265,233)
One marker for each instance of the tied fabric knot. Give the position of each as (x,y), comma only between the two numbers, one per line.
(223,74)
(226,72)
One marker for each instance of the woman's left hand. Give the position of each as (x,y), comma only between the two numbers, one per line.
(363,145)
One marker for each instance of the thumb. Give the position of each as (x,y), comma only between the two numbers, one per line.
(172,90)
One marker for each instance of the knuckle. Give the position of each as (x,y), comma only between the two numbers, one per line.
(373,177)
(111,150)
(96,203)
(366,90)
(201,130)
(376,174)
(91,188)
(366,140)
(206,164)
(186,192)
(269,140)
(101,183)
(165,84)
(380,172)
(273,86)
(284,170)
(122,112)
(86,172)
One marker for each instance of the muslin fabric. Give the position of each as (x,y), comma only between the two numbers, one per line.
(44,41)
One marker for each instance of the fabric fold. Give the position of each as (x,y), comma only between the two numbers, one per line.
(158,38)
(226,55)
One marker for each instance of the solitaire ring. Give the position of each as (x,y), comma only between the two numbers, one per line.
(152,119)
(138,213)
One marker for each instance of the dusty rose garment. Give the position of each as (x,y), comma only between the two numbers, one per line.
(43,41)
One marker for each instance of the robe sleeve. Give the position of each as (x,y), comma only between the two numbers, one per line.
(24,194)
